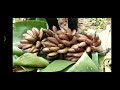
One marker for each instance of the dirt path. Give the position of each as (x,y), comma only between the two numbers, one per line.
(88,23)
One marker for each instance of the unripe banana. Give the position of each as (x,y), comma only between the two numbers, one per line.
(82,44)
(61,45)
(54,49)
(78,54)
(52,54)
(27,46)
(62,51)
(24,41)
(53,40)
(58,39)
(38,44)
(41,33)
(46,50)
(63,37)
(66,43)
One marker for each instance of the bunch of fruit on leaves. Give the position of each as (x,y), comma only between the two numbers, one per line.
(67,44)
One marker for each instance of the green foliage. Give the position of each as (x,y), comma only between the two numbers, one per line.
(84,64)
(30,60)
(57,65)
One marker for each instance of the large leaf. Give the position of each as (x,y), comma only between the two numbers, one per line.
(57,65)
(95,58)
(30,60)
(84,64)
(21,27)
(17,51)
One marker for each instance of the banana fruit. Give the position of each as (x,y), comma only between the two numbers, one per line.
(46,50)
(66,43)
(27,46)
(74,40)
(41,34)
(62,51)
(63,37)
(53,40)
(52,54)
(49,44)
(24,41)
(54,49)
(49,32)
(58,39)
(38,44)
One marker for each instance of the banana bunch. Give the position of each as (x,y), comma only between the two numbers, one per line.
(32,40)
(63,44)
(69,44)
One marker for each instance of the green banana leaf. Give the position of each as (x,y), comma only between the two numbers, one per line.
(95,58)
(30,60)
(21,27)
(84,64)
(57,65)
(17,51)
(15,57)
